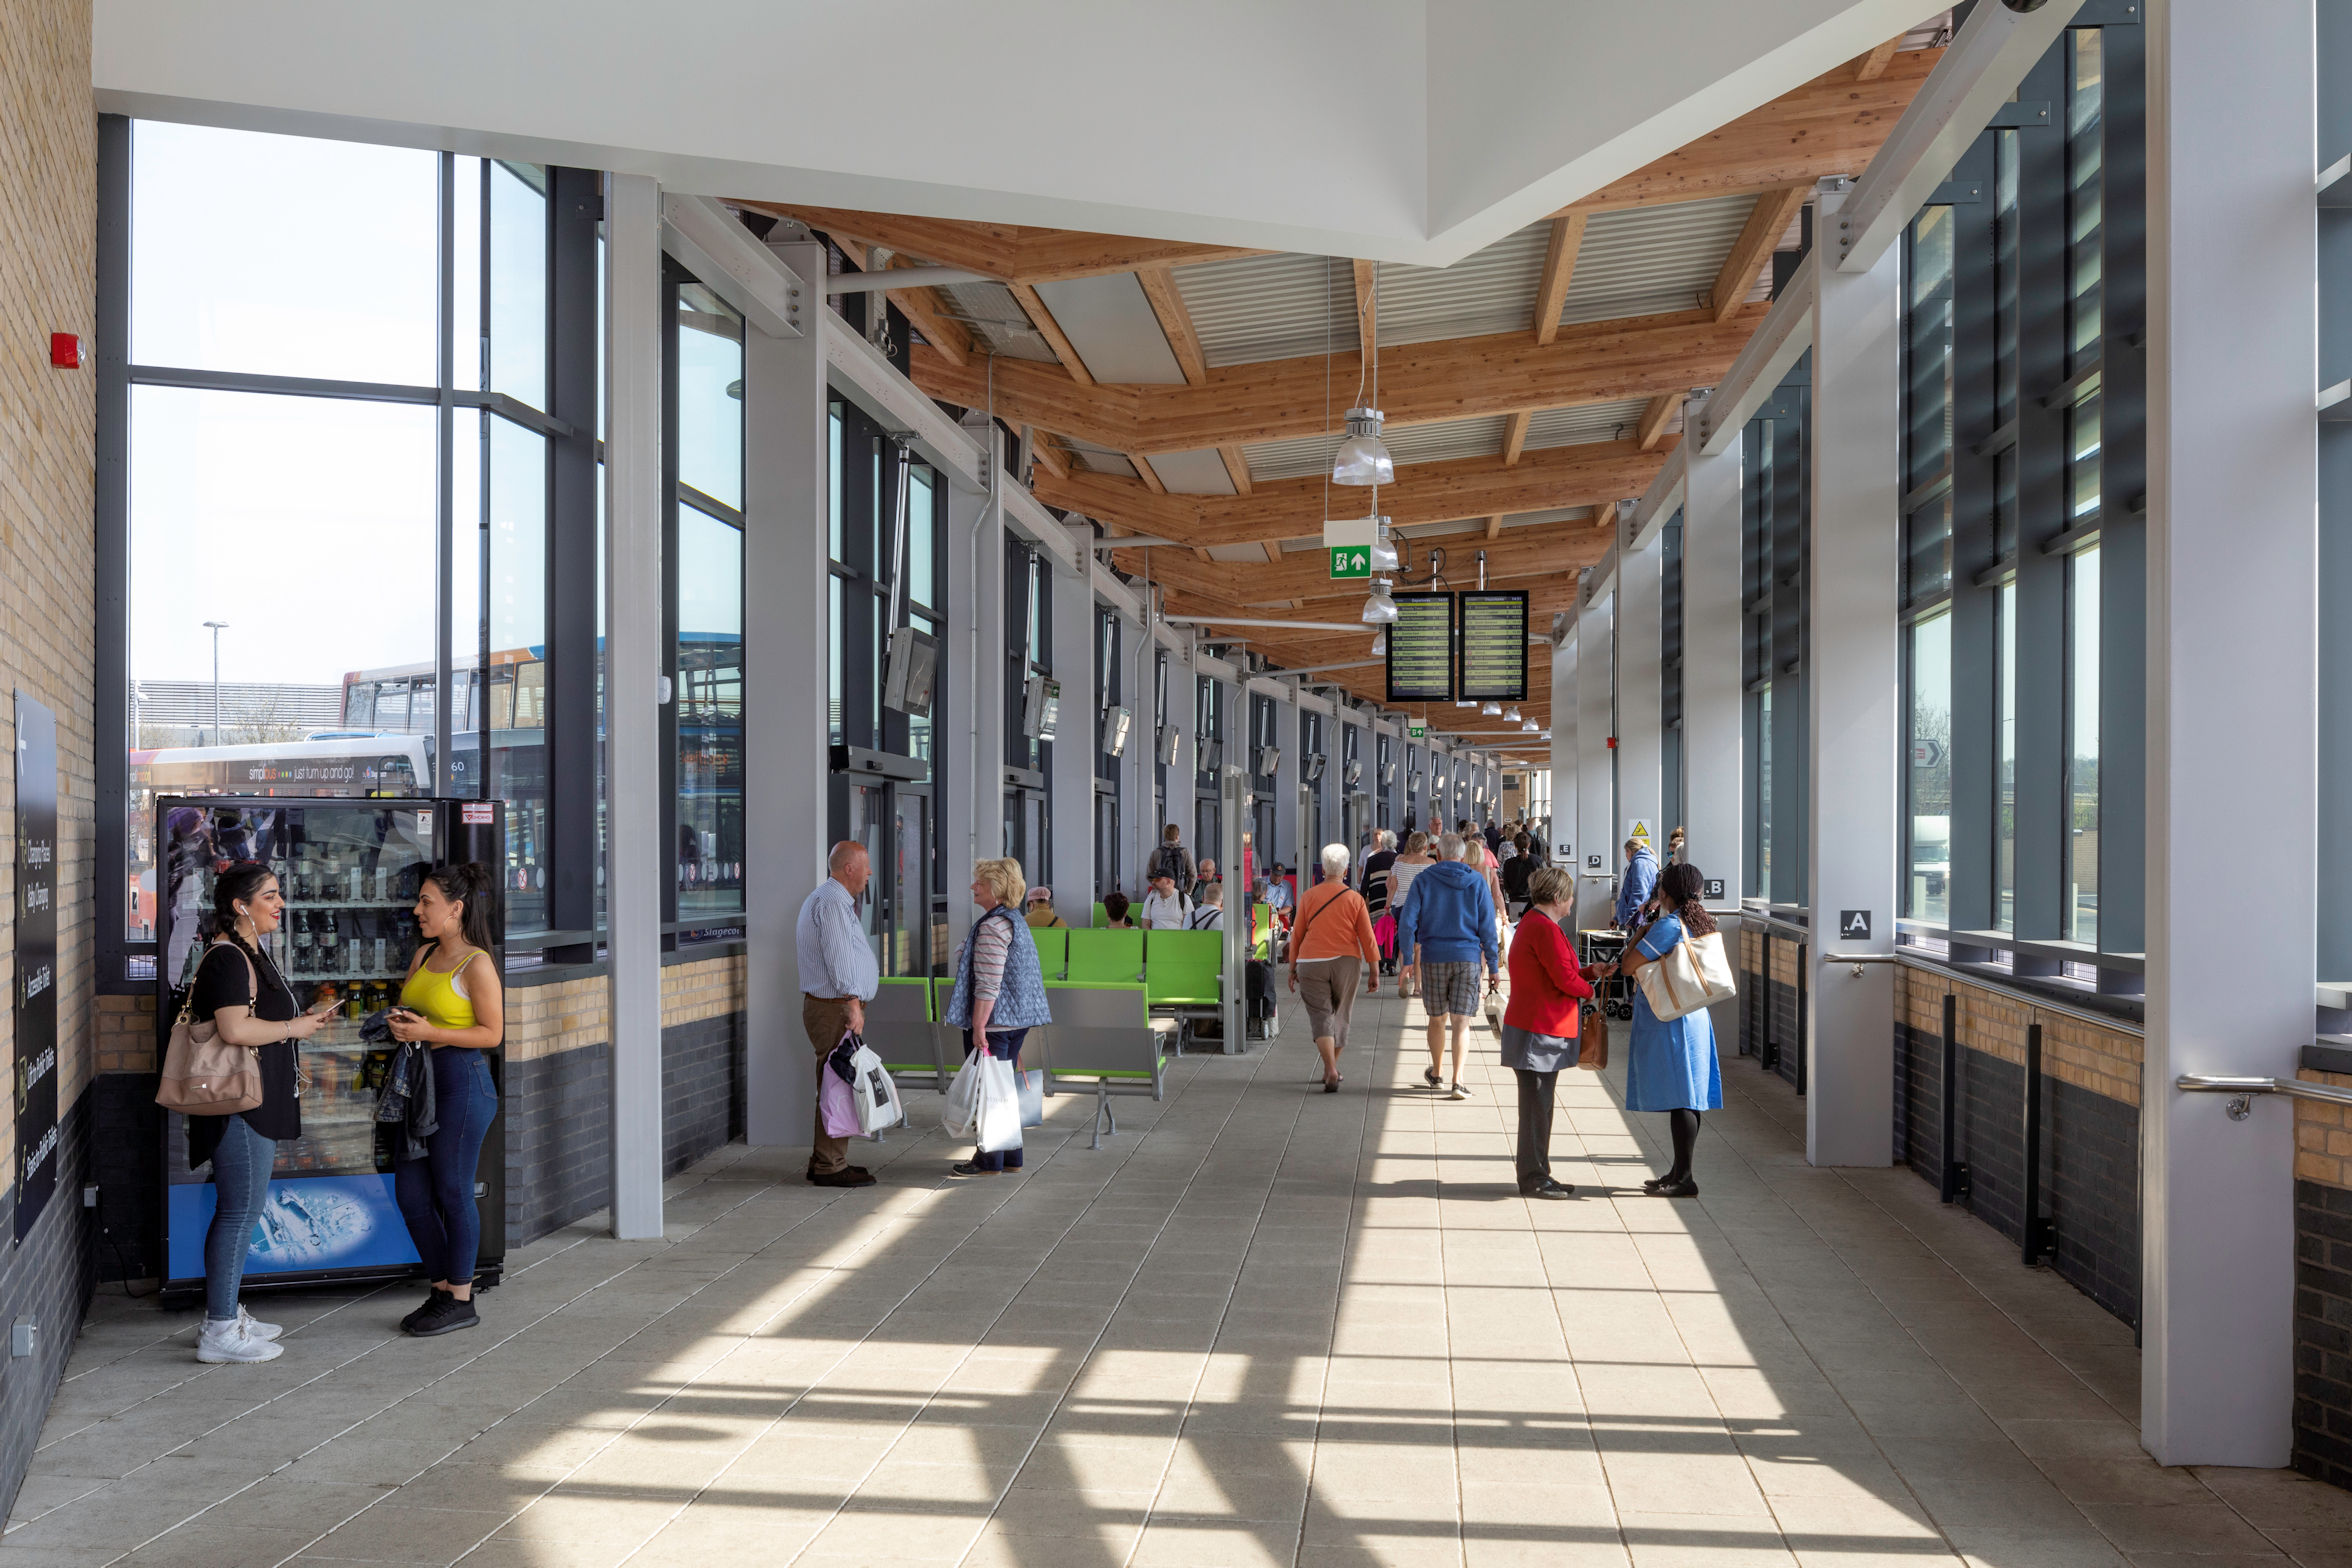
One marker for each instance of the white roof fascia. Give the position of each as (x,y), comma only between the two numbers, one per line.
(1979,72)
(1780,341)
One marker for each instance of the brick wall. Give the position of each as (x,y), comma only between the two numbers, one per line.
(2323,1285)
(48,423)
(2089,1152)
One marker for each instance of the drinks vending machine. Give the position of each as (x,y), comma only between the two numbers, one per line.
(350,870)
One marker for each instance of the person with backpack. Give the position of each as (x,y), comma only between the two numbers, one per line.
(1170,859)
(1163,907)
(1209,913)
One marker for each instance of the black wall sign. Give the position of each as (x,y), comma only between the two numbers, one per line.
(1494,646)
(1714,888)
(1853,925)
(36,961)
(1421,648)
(1592,862)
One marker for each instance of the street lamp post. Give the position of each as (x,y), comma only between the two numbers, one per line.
(217,627)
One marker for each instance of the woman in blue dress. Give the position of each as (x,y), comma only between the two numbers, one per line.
(1672,1066)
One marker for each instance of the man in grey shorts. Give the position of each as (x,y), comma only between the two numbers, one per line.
(1448,917)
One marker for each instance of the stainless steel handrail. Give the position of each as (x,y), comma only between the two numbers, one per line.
(2242,1090)
(1859,959)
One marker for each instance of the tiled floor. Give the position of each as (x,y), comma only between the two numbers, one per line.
(1263,1325)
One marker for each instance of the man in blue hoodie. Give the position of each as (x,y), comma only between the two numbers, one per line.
(1449,915)
(1641,880)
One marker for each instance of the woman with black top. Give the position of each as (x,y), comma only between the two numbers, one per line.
(240,992)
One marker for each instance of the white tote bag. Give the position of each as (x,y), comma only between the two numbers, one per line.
(957,1111)
(1693,974)
(997,1117)
(878,1104)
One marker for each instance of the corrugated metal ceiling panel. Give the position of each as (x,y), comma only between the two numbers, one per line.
(1269,307)
(1490,291)
(1650,260)
(1586,422)
(1430,443)
(997,319)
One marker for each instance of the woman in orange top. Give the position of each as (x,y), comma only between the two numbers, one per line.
(1330,946)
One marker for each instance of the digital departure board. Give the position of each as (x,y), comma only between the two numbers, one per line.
(1421,648)
(1494,647)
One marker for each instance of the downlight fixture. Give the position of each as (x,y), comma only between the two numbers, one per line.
(1362,459)
(1379,609)
(1510,715)
(1380,642)
(1493,710)
(1531,727)
(1384,553)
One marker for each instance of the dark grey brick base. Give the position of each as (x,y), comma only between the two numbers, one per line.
(702,1088)
(48,1280)
(2323,1332)
(126,1161)
(2090,1160)
(558,1140)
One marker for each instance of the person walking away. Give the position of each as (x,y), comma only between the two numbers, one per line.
(1209,913)
(1171,858)
(1331,947)
(999,992)
(838,977)
(239,991)
(1474,856)
(1677,846)
(452,1002)
(1539,1025)
(1115,907)
(1374,877)
(1164,909)
(1040,913)
(1449,918)
(1411,861)
(1671,1066)
(1519,872)
(1636,886)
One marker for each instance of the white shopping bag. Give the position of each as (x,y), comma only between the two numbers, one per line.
(997,1118)
(878,1104)
(957,1112)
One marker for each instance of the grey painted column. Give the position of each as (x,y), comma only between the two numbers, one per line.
(1714,706)
(1598,856)
(1289,820)
(785,579)
(1854,699)
(1071,782)
(1640,746)
(1567,841)
(633,666)
(1139,812)
(968,785)
(2232,650)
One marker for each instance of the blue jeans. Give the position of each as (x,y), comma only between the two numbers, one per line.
(240,1184)
(1006,1044)
(436,1193)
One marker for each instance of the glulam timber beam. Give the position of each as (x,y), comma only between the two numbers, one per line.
(1775,211)
(1652,428)
(1592,473)
(1009,252)
(1551,291)
(925,309)
(1454,378)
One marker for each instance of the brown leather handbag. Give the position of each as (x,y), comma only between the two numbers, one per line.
(204,1075)
(1592,1037)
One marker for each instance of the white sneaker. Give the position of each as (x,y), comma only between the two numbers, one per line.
(228,1341)
(254,1327)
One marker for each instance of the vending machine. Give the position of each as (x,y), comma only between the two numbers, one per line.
(350,870)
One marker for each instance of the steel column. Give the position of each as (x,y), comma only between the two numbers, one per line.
(1598,857)
(1713,706)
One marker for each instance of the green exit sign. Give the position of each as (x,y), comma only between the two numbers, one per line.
(1351,560)
(1416,732)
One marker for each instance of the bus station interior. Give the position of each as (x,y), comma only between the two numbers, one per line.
(1905,446)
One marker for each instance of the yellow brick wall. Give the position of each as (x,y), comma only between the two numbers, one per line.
(1784,961)
(2090,1056)
(2323,1135)
(48,425)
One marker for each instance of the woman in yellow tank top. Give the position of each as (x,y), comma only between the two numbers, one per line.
(451,1002)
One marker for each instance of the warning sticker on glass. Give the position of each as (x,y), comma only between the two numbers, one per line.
(474,813)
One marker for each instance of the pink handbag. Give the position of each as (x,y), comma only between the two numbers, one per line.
(839,1103)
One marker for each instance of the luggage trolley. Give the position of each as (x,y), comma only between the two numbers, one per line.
(1601,947)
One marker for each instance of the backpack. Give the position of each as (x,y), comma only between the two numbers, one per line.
(1171,859)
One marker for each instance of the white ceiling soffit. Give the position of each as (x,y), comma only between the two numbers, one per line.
(1402,130)
(1646,261)
(1111,325)
(998,320)
(1101,460)
(1200,472)
(1431,443)
(1585,422)
(1249,554)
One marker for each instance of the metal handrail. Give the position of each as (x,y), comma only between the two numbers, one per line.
(2242,1090)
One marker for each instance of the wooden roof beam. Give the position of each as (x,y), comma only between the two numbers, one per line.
(1007,251)
(1873,65)
(1773,213)
(1551,294)
(925,309)
(1652,428)
(1456,378)
(1515,436)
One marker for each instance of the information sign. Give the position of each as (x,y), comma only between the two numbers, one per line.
(1494,646)
(1421,648)
(36,961)
(1352,560)
(1416,732)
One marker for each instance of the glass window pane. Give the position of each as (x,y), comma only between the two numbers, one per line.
(838,473)
(922,526)
(1925,893)
(2083,468)
(2082,767)
(466,349)
(838,630)
(305,526)
(516,607)
(710,395)
(710,713)
(518,282)
(2005,767)
(232,267)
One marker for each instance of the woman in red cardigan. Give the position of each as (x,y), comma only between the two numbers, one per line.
(1539,1026)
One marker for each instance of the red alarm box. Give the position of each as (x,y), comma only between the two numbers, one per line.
(65,350)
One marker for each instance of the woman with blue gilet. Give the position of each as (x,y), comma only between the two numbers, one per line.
(1000,989)
(1672,1065)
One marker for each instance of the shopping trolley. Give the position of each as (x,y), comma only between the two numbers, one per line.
(1615,994)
